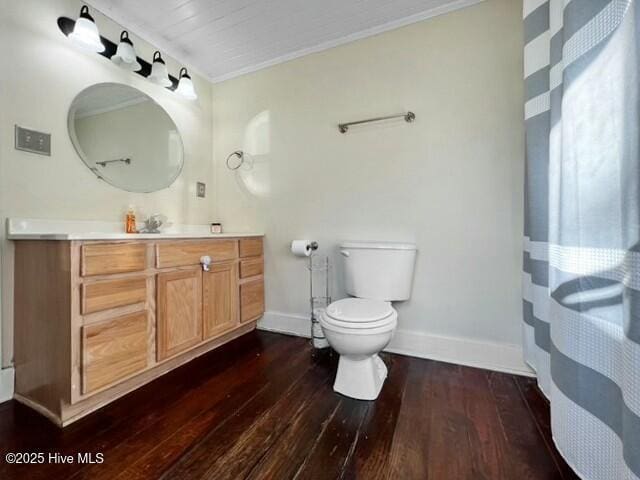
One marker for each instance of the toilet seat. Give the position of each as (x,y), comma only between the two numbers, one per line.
(358,310)
(389,326)
(360,314)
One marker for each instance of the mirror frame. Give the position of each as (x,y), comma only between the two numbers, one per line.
(76,144)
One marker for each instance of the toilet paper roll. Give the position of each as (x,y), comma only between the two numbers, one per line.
(301,248)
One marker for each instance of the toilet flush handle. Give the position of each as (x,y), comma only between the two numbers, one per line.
(345,253)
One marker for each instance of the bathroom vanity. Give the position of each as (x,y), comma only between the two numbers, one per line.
(97,318)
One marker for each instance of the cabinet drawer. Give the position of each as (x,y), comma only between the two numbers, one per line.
(250,267)
(250,247)
(251,300)
(112,350)
(181,254)
(105,258)
(113,293)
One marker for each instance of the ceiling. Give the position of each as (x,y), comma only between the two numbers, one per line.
(222,39)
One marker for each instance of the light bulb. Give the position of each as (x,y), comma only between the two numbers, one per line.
(159,73)
(85,32)
(185,85)
(125,55)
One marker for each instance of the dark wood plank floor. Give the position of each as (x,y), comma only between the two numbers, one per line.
(262,407)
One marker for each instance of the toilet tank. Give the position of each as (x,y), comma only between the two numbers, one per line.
(378,270)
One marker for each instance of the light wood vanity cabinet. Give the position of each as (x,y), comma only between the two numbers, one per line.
(97,319)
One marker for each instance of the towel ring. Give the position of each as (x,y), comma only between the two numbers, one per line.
(240,155)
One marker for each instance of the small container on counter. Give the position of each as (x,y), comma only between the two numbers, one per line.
(130,220)
(216,228)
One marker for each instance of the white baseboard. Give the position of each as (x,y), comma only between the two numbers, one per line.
(501,357)
(297,325)
(6,384)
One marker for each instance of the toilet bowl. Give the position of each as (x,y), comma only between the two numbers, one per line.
(358,329)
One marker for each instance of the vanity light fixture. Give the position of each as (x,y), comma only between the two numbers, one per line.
(159,73)
(185,85)
(85,34)
(125,55)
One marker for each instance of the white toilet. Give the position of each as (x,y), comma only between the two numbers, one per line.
(376,274)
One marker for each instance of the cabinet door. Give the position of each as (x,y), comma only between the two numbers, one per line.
(251,300)
(179,311)
(220,299)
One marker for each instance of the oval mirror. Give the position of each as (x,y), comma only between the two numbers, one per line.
(125,137)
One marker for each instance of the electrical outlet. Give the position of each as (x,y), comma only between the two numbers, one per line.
(33,141)
(201,189)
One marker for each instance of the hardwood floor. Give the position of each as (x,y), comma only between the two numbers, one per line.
(262,407)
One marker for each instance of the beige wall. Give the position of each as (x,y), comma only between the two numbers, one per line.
(451,182)
(42,73)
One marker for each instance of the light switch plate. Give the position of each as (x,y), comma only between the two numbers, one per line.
(201,189)
(33,141)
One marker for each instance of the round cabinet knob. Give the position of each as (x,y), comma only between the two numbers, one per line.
(206,262)
(344,253)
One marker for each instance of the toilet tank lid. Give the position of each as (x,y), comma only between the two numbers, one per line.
(379,245)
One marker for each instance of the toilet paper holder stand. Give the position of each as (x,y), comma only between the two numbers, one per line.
(319,294)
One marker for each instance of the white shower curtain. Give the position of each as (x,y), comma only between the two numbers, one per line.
(582,230)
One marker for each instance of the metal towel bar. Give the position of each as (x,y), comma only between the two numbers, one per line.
(408,117)
(106,162)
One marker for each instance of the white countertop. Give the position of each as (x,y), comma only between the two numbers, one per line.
(36,229)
